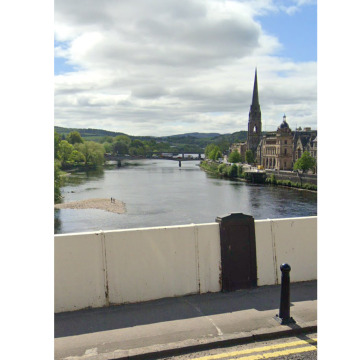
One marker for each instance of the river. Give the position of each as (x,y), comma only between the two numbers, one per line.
(160,193)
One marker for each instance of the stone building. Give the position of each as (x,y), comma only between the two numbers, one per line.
(305,140)
(275,150)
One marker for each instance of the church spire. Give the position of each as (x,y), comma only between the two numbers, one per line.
(255,99)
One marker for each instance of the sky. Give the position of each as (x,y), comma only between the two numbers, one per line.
(166,67)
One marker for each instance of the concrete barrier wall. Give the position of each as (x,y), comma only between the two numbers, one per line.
(292,240)
(116,267)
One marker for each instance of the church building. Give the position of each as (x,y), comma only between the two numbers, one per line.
(275,150)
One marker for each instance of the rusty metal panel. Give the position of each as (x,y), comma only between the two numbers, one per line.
(238,251)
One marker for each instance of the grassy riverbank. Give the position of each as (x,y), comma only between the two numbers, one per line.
(236,172)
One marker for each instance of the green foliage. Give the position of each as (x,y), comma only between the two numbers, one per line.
(240,171)
(305,163)
(57,140)
(64,152)
(213,152)
(124,139)
(74,138)
(233,171)
(93,153)
(108,147)
(106,139)
(234,157)
(222,169)
(249,157)
(208,149)
(57,192)
(76,158)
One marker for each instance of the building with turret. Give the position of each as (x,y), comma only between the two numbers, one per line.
(279,149)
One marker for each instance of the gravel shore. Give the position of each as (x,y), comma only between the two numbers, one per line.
(117,207)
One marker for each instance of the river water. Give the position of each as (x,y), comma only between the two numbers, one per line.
(160,193)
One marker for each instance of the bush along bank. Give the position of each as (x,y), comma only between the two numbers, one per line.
(223,170)
(236,172)
(272,181)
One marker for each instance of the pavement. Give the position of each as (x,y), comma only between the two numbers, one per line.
(175,326)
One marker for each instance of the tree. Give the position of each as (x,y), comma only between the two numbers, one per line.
(108,139)
(57,192)
(74,138)
(93,153)
(65,150)
(123,138)
(305,163)
(208,149)
(249,157)
(57,140)
(213,152)
(76,158)
(233,171)
(234,157)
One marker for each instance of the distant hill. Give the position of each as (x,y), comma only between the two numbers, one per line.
(196,135)
(87,132)
(196,140)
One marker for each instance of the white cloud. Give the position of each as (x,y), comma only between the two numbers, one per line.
(162,67)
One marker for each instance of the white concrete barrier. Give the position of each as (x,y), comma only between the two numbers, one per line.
(116,267)
(292,240)
(135,265)
(79,272)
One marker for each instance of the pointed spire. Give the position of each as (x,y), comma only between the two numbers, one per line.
(255,99)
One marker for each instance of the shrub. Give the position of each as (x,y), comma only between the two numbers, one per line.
(233,171)
(221,169)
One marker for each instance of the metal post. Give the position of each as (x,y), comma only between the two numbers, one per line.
(284,314)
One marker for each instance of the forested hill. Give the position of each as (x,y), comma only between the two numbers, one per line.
(196,140)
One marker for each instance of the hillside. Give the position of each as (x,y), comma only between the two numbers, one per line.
(196,141)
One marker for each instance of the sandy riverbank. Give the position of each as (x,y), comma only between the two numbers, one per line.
(117,207)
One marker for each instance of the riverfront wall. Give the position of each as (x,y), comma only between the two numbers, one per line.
(115,267)
(293,176)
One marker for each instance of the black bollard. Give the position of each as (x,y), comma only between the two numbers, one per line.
(284,314)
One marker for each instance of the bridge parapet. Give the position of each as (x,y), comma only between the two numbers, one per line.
(114,267)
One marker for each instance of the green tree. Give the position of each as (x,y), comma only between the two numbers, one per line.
(108,147)
(76,158)
(74,137)
(57,140)
(57,192)
(123,138)
(234,157)
(213,152)
(208,149)
(305,163)
(108,139)
(249,157)
(65,150)
(120,147)
(93,153)
(233,171)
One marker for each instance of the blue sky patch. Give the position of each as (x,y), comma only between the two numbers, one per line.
(297,33)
